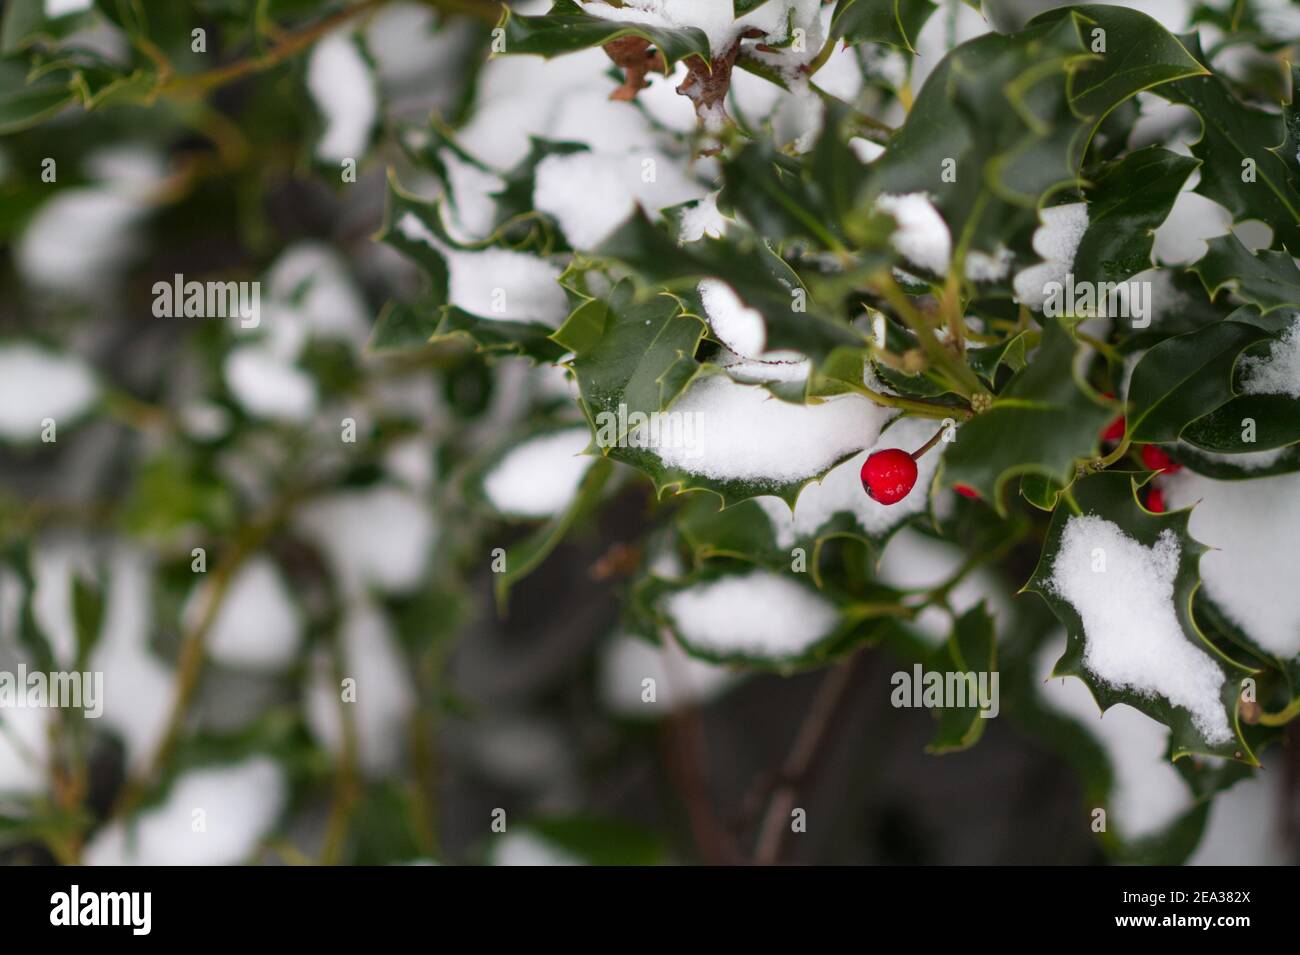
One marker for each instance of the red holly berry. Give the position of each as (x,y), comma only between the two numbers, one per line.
(1157,460)
(1115,430)
(888,476)
(1156,501)
(965,490)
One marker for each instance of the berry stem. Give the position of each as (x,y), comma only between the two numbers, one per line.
(916,455)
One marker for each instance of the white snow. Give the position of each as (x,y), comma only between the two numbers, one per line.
(473,192)
(1124,593)
(865,149)
(138,686)
(701,219)
(497,283)
(268,386)
(212,816)
(758,614)
(735,324)
(377,537)
(24,750)
(341,84)
(841,490)
(1180,239)
(1278,373)
(77,238)
(1147,794)
(922,237)
(529,849)
(746,434)
(680,680)
(257,623)
(590,194)
(541,476)
(1247,824)
(1056,240)
(59,8)
(384,695)
(36,384)
(1253,526)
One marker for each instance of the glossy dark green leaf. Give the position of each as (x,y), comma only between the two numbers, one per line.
(1184,378)
(565,28)
(1269,280)
(1273,421)
(1043,422)
(1126,204)
(895,22)
(971,650)
(1238,139)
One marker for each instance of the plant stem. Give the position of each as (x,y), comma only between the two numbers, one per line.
(916,455)
(799,763)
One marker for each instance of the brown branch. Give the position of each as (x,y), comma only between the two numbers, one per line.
(799,763)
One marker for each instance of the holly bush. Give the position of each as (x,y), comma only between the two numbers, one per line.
(964,337)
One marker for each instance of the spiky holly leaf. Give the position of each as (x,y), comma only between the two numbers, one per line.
(895,22)
(1267,279)
(1129,200)
(566,28)
(1241,168)
(1014,115)
(1184,378)
(762,279)
(415,228)
(1112,496)
(1043,422)
(970,649)
(1272,421)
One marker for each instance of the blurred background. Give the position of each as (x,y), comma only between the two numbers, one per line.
(276,543)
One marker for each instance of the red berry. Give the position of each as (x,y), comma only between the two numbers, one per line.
(965,490)
(888,476)
(1115,430)
(1156,501)
(1157,460)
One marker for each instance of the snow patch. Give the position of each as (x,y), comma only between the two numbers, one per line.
(36,384)
(541,476)
(343,89)
(1253,526)
(759,614)
(746,434)
(1132,638)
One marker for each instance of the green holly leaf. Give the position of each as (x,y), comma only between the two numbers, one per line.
(1112,496)
(1242,167)
(1129,200)
(1043,422)
(1267,279)
(971,649)
(1184,378)
(795,320)
(565,28)
(415,229)
(24,103)
(1274,419)
(894,22)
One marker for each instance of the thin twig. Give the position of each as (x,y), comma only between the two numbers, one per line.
(800,761)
